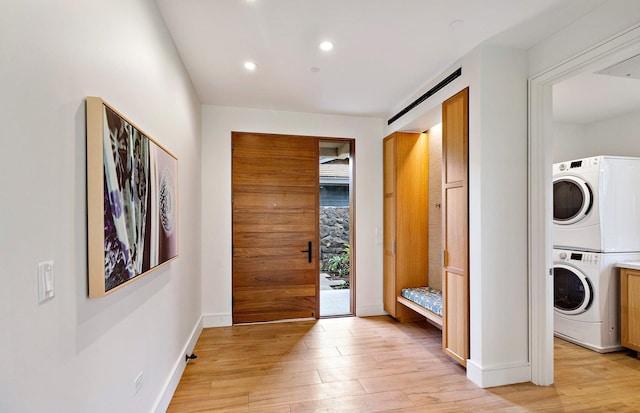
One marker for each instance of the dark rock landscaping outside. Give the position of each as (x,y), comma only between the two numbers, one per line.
(334,242)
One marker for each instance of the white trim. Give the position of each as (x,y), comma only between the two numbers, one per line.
(370,310)
(498,375)
(616,49)
(171,384)
(216,320)
(540,218)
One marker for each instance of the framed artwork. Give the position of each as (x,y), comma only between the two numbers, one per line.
(131,200)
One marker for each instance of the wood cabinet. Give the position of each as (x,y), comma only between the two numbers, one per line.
(455,206)
(630,308)
(405,218)
(406,230)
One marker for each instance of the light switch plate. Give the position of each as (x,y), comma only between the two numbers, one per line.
(45,281)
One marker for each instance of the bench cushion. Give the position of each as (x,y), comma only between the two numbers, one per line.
(426,297)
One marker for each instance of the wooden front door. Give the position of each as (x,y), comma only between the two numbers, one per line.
(275,195)
(455,209)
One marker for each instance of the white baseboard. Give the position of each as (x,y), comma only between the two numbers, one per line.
(216,320)
(178,368)
(370,310)
(499,375)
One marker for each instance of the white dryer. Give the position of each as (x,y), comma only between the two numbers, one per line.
(586,298)
(596,204)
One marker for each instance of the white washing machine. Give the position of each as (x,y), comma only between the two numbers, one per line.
(596,204)
(586,298)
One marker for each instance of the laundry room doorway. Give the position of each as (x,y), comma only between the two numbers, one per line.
(551,140)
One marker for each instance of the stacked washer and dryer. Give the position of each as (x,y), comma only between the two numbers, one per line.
(596,224)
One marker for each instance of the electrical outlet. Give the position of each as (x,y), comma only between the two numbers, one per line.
(138,382)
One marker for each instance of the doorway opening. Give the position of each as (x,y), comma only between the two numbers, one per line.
(337,286)
(543,136)
(594,140)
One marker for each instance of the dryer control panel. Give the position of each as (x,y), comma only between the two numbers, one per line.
(577,165)
(583,257)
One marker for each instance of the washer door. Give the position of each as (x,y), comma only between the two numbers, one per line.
(572,291)
(572,200)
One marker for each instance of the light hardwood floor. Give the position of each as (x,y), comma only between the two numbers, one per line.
(376,364)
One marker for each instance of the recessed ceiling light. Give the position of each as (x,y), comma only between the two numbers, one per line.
(250,66)
(326,46)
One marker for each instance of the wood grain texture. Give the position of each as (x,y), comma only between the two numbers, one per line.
(389,224)
(455,207)
(630,308)
(432,317)
(389,259)
(457,316)
(275,214)
(376,364)
(95,197)
(406,197)
(412,224)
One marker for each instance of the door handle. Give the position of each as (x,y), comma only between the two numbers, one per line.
(309,251)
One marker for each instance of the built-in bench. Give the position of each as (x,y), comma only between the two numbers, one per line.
(425,301)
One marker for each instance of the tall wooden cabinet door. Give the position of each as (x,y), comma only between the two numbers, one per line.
(455,210)
(389,225)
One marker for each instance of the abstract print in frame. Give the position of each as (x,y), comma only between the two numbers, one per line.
(131,200)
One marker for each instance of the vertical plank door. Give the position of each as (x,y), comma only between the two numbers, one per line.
(275,195)
(455,210)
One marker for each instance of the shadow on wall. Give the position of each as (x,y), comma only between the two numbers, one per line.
(97,316)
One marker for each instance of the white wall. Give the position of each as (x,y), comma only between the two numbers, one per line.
(568,141)
(499,290)
(74,354)
(497,206)
(217,124)
(617,136)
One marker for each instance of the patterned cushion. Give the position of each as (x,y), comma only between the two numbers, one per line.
(426,297)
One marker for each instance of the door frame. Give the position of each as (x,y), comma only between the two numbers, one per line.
(616,49)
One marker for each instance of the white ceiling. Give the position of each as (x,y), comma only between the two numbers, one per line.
(593,97)
(385,50)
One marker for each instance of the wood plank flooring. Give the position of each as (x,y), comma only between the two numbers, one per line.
(376,364)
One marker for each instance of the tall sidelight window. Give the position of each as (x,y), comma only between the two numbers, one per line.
(336,194)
